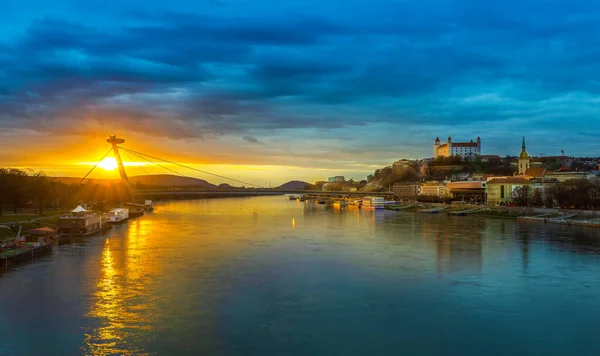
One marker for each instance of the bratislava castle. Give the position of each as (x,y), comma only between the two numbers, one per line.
(463,149)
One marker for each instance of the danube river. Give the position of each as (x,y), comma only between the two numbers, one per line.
(269,276)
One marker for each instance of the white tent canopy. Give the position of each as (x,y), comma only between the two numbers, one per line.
(78,209)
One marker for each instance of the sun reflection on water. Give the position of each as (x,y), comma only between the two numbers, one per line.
(121,299)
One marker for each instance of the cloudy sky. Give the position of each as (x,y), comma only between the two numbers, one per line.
(274,90)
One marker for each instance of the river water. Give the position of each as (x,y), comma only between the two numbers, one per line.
(269,276)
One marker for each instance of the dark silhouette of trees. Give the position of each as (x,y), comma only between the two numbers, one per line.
(38,191)
(577,193)
(537,198)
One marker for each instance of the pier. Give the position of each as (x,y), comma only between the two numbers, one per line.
(29,252)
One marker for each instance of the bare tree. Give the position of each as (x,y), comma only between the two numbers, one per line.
(537,198)
(522,195)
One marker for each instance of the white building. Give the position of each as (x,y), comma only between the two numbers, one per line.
(336,179)
(463,149)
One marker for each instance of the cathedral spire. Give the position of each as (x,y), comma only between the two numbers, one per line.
(523,146)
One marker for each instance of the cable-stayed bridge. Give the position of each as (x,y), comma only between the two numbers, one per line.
(249,188)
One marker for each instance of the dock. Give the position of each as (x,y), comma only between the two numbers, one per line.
(430,211)
(398,207)
(463,212)
(28,252)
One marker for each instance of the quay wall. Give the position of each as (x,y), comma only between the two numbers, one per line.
(6,263)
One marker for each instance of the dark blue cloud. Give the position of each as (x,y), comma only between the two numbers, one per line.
(434,67)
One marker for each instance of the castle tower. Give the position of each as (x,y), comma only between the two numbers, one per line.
(524,160)
(478,145)
(436,147)
(449,143)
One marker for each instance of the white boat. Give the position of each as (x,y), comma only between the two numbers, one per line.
(373,203)
(118,215)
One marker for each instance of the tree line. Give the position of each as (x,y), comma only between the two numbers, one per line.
(575,193)
(20,190)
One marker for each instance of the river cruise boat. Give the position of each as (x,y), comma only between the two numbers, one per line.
(79,222)
(118,215)
(373,203)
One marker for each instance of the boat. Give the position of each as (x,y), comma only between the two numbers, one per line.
(118,215)
(79,222)
(373,203)
(355,204)
(148,205)
(340,204)
(429,211)
(301,198)
(133,213)
(291,197)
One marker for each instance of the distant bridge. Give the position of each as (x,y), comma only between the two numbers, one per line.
(255,190)
(234,192)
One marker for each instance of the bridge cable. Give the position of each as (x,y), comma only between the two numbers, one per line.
(88,173)
(158,164)
(194,169)
(131,160)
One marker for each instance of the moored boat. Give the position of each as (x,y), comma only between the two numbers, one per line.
(148,205)
(340,204)
(133,213)
(355,204)
(373,203)
(118,215)
(79,222)
(429,211)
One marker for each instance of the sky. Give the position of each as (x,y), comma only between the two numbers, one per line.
(267,91)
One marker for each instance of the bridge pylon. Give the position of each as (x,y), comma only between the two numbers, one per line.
(114,141)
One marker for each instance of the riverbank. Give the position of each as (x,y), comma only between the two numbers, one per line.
(28,221)
(539,215)
(29,251)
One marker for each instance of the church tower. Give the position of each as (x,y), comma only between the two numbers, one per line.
(524,161)
(436,147)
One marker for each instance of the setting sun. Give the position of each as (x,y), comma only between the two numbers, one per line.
(108,164)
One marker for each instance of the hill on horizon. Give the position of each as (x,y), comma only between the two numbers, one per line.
(169,180)
(164,180)
(293,185)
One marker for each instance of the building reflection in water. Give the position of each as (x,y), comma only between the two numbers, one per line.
(458,242)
